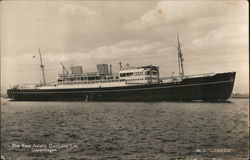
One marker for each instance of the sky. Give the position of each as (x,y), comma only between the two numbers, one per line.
(213,36)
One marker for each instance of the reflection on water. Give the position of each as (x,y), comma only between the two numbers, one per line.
(80,130)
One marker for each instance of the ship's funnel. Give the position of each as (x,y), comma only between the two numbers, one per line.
(76,70)
(103,69)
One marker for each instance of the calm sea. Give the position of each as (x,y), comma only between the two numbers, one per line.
(80,130)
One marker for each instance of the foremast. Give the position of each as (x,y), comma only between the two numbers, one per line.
(180,59)
(42,66)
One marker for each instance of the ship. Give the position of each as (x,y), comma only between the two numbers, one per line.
(130,84)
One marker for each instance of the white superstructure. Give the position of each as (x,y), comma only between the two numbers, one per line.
(141,75)
(77,78)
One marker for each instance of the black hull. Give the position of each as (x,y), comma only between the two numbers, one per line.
(211,88)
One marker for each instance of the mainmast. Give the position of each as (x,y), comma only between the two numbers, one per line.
(42,66)
(180,59)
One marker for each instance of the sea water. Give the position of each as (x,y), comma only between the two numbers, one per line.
(120,130)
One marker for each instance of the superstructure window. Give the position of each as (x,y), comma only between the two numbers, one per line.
(126,74)
(154,73)
(138,73)
(147,73)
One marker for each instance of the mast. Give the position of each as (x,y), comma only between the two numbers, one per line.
(180,59)
(42,66)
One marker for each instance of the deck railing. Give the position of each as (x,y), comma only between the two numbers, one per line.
(90,82)
(188,76)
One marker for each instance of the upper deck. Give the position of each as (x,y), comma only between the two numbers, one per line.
(125,77)
(131,75)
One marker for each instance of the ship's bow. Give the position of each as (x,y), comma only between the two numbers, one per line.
(221,88)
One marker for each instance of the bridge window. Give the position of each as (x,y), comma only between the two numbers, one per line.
(147,73)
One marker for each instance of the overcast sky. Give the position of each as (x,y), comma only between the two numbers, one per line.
(213,35)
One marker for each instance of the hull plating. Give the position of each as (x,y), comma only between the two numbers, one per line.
(214,88)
